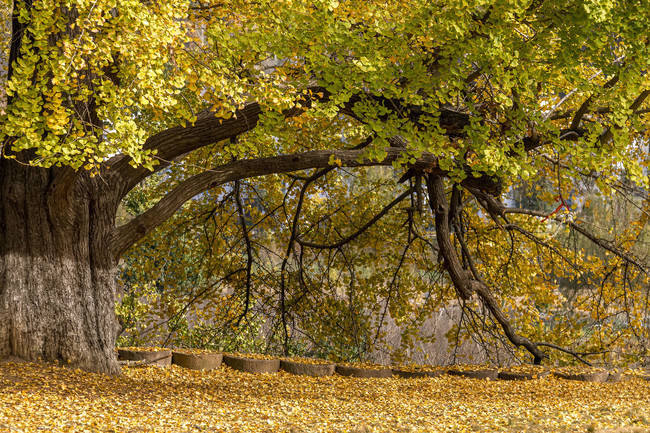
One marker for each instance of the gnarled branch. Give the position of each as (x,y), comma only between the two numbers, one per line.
(465,281)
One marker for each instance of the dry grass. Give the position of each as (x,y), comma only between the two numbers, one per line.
(36,398)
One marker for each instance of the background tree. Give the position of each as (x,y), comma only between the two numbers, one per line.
(461,100)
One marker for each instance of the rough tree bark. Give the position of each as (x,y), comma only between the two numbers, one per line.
(57,287)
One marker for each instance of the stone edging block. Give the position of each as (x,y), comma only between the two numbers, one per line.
(509,375)
(596,376)
(487,374)
(197,361)
(416,374)
(252,365)
(363,372)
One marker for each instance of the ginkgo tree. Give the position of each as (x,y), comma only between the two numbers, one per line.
(461,100)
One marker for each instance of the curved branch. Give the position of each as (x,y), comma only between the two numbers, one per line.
(126,235)
(491,303)
(438,202)
(176,142)
(468,282)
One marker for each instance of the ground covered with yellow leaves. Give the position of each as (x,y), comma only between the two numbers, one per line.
(40,397)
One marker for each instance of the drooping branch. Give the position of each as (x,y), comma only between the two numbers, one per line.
(183,310)
(294,230)
(290,250)
(127,234)
(438,202)
(466,282)
(247,241)
(491,303)
(391,287)
(498,212)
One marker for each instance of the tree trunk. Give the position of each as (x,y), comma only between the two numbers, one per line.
(57,287)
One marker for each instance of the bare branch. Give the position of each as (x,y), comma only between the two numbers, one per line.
(249,248)
(359,232)
(290,248)
(607,245)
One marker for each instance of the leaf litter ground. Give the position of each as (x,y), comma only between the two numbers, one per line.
(41,397)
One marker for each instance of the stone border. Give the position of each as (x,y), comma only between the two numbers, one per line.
(307,369)
(213,360)
(596,376)
(160,357)
(486,374)
(511,375)
(405,374)
(197,361)
(344,370)
(252,365)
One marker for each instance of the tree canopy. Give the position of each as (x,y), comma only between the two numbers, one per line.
(381,158)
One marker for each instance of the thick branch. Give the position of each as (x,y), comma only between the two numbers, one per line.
(438,202)
(606,136)
(126,235)
(585,105)
(176,142)
(466,282)
(491,303)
